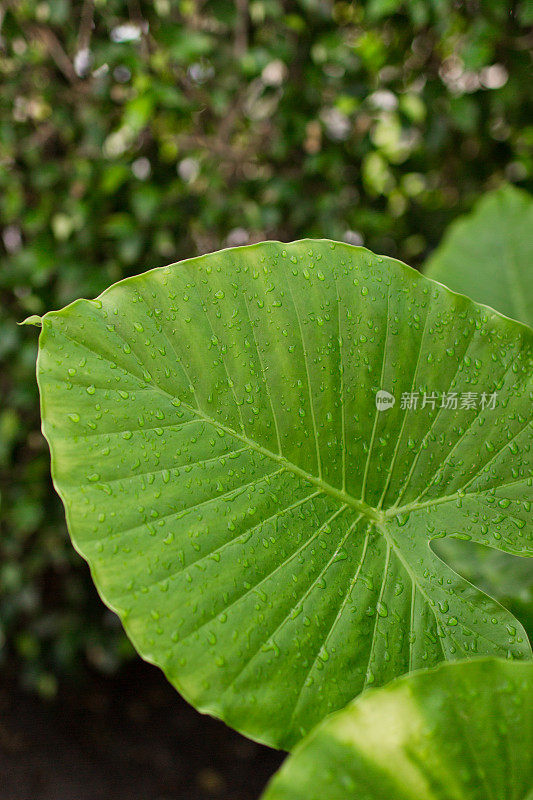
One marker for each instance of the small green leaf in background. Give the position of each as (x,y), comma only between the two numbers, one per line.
(260,526)
(488,255)
(461,732)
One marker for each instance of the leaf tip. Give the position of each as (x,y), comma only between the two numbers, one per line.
(34,319)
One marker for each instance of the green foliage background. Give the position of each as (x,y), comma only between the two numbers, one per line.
(136,134)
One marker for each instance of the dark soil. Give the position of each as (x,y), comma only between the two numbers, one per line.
(126,738)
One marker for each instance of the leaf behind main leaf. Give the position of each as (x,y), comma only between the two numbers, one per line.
(488,255)
(261,528)
(463,731)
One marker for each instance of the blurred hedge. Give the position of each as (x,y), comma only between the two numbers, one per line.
(134,134)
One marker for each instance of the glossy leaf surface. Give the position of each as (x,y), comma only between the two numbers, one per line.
(488,255)
(461,732)
(262,529)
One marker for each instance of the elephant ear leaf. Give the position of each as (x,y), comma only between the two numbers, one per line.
(257,514)
(463,731)
(488,255)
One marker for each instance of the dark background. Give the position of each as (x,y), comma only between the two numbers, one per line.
(136,134)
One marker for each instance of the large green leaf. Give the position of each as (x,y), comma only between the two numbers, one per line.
(260,527)
(488,255)
(463,731)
